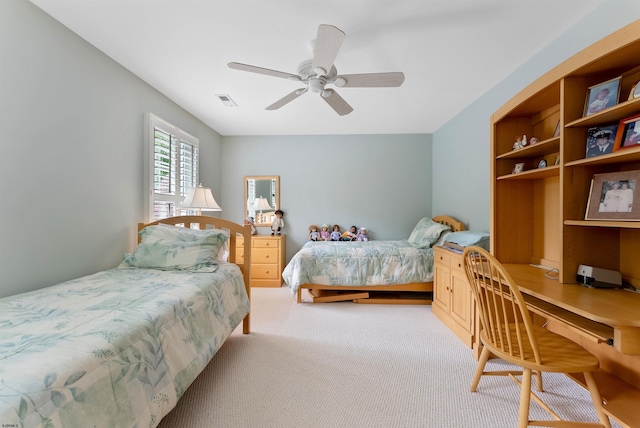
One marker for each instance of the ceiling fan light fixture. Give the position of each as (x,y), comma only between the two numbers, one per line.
(340,81)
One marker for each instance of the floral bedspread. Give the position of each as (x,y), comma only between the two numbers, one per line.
(359,263)
(113,349)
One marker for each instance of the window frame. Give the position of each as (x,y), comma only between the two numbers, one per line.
(153,122)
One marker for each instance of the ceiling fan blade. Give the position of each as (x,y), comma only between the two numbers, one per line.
(287,99)
(260,70)
(328,44)
(370,80)
(336,102)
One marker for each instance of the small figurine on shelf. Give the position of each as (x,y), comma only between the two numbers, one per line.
(533,140)
(524,140)
(249,220)
(314,234)
(325,235)
(335,234)
(517,144)
(278,223)
(350,235)
(362,234)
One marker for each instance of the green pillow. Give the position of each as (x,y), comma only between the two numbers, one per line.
(426,233)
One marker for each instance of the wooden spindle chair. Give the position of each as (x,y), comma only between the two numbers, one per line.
(508,333)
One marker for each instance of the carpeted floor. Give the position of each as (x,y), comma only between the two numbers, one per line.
(349,365)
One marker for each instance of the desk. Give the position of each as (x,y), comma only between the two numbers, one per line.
(605,321)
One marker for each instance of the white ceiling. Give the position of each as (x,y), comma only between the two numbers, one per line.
(451,52)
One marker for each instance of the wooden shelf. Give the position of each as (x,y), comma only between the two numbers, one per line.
(532,174)
(542,148)
(631,155)
(611,115)
(603,223)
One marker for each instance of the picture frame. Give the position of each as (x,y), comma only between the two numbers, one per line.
(602,96)
(519,167)
(635,91)
(557,162)
(614,196)
(601,137)
(556,132)
(628,133)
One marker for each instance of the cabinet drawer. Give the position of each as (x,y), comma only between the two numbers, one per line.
(264,272)
(442,257)
(264,255)
(455,262)
(266,243)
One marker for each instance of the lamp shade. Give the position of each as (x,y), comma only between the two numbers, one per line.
(261,204)
(201,199)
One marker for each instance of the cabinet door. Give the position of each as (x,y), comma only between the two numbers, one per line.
(460,299)
(441,286)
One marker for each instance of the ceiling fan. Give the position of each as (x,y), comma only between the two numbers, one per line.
(318,72)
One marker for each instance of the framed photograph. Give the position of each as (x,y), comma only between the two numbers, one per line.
(614,196)
(635,91)
(519,167)
(601,140)
(628,133)
(602,96)
(542,164)
(556,133)
(557,160)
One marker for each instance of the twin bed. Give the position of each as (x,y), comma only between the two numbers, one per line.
(118,348)
(396,272)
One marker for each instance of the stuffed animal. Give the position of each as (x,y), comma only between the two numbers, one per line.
(336,235)
(314,235)
(362,234)
(325,235)
(350,235)
(249,220)
(278,223)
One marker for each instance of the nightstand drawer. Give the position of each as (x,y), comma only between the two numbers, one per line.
(264,255)
(266,243)
(264,272)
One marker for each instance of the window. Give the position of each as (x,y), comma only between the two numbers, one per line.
(171,167)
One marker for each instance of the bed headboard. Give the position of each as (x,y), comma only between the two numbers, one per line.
(454,224)
(236,231)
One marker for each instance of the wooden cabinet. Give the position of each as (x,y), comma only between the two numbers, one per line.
(452,296)
(267,259)
(538,216)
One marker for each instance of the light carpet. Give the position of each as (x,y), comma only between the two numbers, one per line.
(354,365)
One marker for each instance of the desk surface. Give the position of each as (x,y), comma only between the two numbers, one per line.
(613,307)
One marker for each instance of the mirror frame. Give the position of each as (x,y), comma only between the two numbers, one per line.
(266,220)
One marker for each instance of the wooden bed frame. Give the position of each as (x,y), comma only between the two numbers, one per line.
(398,294)
(235,229)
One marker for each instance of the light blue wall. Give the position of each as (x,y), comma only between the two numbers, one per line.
(381,182)
(71,146)
(461,147)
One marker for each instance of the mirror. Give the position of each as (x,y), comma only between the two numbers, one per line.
(261,198)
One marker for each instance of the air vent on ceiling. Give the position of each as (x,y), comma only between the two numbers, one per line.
(226,100)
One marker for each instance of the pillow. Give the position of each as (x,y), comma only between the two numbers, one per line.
(170,247)
(174,256)
(426,233)
(466,239)
(168,233)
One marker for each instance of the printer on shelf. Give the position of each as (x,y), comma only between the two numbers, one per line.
(598,278)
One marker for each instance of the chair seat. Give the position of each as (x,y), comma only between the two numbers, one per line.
(558,353)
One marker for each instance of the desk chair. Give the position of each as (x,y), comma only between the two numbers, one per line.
(508,333)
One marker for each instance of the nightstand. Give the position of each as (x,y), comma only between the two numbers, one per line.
(267,259)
